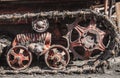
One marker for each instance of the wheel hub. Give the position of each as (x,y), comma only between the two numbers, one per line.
(19,57)
(90,39)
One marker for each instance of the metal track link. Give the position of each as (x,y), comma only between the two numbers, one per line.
(72,68)
(75,68)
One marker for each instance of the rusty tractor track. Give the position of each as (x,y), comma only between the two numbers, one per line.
(78,66)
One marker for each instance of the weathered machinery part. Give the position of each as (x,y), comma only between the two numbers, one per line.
(47,41)
(110,47)
(19,58)
(57,57)
(114,33)
(90,38)
(113,46)
(36,43)
(111,26)
(49,14)
(27,38)
(40,25)
(36,48)
(5,41)
(107,9)
(40,48)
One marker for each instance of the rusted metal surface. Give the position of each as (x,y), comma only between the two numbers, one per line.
(89,38)
(23,39)
(57,57)
(19,58)
(34,41)
(95,37)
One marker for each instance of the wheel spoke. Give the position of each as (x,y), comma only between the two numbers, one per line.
(76,43)
(51,53)
(101,47)
(62,53)
(20,63)
(26,58)
(47,40)
(101,32)
(55,50)
(13,53)
(63,62)
(80,29)
(13,61)
(21,51)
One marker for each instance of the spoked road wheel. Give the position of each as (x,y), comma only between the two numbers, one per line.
(57,57)
(19,58)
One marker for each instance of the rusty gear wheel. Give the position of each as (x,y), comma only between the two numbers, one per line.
(57,57)
(89,39)
(19,58)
